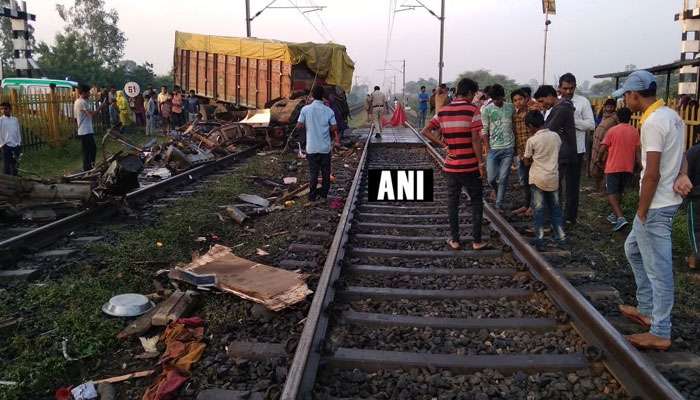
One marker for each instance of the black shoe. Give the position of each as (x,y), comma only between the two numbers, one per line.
(377,136)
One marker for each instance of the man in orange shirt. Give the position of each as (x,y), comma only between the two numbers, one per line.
(621,144)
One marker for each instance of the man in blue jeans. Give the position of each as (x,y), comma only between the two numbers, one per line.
(541,155)
(497,133)
(648,246)
(319,121)
(423,99)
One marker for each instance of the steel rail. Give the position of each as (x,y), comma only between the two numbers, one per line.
(45,234)
(308,352)
(637,374)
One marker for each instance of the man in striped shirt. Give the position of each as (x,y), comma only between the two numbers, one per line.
(460,125)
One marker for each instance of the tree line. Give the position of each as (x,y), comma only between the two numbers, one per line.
(89,49)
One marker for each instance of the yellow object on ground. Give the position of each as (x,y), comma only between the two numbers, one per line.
(329,60)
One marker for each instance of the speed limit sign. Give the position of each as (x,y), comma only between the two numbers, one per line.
(132,89)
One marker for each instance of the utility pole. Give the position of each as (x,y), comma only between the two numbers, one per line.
(441,18)
(403,75)
(548,7)
(442,39)
(247,18)
(403,89)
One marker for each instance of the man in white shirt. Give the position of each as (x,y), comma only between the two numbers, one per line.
(584,122)
(86,132)
(10,139)
(648,247)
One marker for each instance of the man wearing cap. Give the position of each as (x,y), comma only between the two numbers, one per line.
(648,246)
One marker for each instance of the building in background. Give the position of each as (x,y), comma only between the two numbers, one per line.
(689,18)
(22,33)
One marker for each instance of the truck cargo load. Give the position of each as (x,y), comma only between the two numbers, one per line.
(251,72)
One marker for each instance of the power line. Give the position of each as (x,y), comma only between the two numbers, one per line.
(390,29)
(303,14)
(323,23)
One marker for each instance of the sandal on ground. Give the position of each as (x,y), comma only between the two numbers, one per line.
(454,245)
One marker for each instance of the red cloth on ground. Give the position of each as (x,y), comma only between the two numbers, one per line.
(397,119)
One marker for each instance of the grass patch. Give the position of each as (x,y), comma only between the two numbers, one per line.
(70,307)
(52,162)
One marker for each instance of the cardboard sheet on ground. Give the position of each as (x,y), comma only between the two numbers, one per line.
(272,287)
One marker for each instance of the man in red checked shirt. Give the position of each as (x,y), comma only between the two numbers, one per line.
(460,125)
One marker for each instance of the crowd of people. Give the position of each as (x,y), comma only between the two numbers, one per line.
(545,134)
(152,109)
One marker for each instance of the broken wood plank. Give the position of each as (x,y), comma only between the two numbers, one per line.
(161,317)
(122,378)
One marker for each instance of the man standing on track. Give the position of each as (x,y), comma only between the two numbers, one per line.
(423,99)
(648,246)
(319,121)
(378,101)
(583,122)
(460,125)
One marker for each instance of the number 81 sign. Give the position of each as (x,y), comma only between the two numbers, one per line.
(132,89)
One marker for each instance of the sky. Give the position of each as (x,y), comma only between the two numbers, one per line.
(504,36)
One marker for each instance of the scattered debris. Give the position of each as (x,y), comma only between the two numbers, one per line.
(62,393)
(8,383)
(127,305)
(149,344)
(275,288)
(85,391)
(336,203)
(236,214)
(261,252)
(293,193)
(176,306)
(122,378)
(200,239)
(160,173)
(289,180)
(64,349)
(254,199)
(184,346)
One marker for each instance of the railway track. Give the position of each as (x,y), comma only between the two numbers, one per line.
(396,315)
(32,239)
(28,237)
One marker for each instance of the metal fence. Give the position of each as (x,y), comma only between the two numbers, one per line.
(46,118)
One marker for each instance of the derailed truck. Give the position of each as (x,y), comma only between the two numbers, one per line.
(261,77)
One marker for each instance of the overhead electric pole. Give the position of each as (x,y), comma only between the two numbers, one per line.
(442,39)
(548,7)
(441,18)
(247,18)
